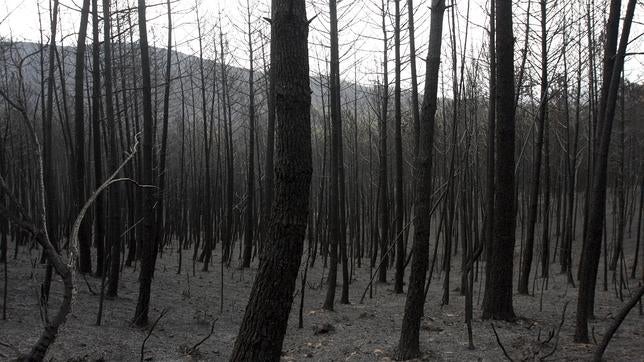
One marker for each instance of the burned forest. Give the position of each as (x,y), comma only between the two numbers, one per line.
(324,180)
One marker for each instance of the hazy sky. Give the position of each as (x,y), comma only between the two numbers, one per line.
(359,20)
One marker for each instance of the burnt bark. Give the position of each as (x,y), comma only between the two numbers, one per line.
(114,223)
(408,346)
(250,181)
(400,212)
(526,264)
(335,201)
(497,300)
(382,171)
(266,317)
(84,237)
(592,245)
(148,241)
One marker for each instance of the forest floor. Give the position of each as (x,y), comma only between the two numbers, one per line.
(360,332)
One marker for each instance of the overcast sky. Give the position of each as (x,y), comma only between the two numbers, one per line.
(360,37)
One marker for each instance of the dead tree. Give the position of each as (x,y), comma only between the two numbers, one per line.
(207,134)
(526,264)
(99,214)
(336,163)
(400,212)
(148,242)
(266,317)
(613,66)
(51,199)
(250,176)
(414,78)
(408,345)
(162,172)
(497,300)
(78,180)
(491,136)
(38,228)
(113,236)
(382,172)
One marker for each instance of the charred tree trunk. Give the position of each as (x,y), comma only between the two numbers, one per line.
(250,182)
(99,214)
(264,324)
(414,78)
(84,237)
(497,300)
(334,192)
(526,265)
(270,151)
(382,172)
(148,242)
(400,212)
(161,192)
(114,228)
(613,65)
(50,199)
(408,346)
(491,136)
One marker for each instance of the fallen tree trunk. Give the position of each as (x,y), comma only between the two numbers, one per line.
(599,352)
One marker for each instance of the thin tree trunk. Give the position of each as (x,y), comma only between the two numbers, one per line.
(99,215)
(526,265)
(250,183)
(414,78)
(114,229)
(84,237)
(148,242)
(592,246)
(398,224)
(161,191)
(336,162)
(408,345)
(382,178)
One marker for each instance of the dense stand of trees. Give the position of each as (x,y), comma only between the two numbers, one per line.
(512,159)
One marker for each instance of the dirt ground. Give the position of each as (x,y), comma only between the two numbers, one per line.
(360,332)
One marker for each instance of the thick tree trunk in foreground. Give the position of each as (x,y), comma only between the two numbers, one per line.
(497,300)
(264,324)
(414,306)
